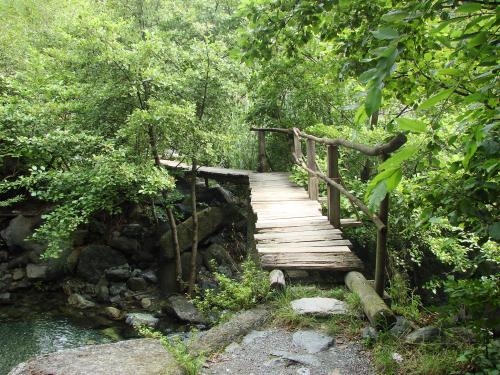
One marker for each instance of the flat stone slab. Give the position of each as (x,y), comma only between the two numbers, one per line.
(319,306)
(131,357)
(311,341)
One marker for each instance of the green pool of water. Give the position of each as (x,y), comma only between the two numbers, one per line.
(40,333)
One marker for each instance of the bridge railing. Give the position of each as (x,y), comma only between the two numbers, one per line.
(333,181)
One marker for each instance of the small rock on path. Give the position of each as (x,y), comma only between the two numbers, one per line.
(311,341)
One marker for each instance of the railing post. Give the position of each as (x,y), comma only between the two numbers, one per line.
(261,162)
(297,147)
(333,194)
(381,255)
(312,187)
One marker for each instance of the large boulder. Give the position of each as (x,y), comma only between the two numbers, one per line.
(209,221)
(95,259)
(167,278)
(185,310)
(141,319)
(137,284)
(80,302)
(131,357)
(17,232)
(120,273)
(132,230)
(126,245)
(36,271)
(186,264)
(219,254)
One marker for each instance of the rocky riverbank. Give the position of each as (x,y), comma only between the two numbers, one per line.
(119,271)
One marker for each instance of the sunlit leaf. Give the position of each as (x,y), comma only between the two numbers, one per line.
(433,100)
(395,16)
(373,99)
(385,33)
(469,7)
(412,125)
(396,159)
(377,195)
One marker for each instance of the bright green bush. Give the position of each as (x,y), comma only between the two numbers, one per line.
(232,295)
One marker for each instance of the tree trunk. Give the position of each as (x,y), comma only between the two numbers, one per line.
(177,249)
(170,214)
(194,250)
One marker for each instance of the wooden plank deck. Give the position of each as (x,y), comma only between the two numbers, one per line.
(291,232)
(226,174)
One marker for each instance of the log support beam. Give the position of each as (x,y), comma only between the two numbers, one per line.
(375,309)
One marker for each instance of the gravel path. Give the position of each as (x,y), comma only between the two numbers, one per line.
(272,352)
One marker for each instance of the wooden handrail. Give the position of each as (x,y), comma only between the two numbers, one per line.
(333,181)
(384,148)
(378,223)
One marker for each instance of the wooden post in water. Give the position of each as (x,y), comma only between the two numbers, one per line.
(333,194)
(312,186)
(261,162)
(381,256)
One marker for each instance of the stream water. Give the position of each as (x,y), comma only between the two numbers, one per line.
(41,332)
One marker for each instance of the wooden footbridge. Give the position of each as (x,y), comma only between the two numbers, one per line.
(290,230)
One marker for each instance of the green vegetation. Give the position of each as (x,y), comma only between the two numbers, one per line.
(252,287)
(96,92)
(93,93)
(179,350)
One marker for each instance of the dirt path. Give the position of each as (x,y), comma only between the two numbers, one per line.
(276,352)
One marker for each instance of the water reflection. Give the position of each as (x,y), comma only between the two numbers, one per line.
(41,333)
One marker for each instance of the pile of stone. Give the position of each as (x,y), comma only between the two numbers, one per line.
(126,266)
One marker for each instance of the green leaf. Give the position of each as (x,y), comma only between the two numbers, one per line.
(360,117)
(450,72)
(379,177)
(396,159)
(494,231)
(469,8)
(382,184)
(395,16)
(373,98)
(385,33)
(433,100)
(377,195)
(412,125)
(393,181)
(383,51)
(368,75)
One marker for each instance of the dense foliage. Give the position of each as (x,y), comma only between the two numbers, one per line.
(92,93)
(366,71)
